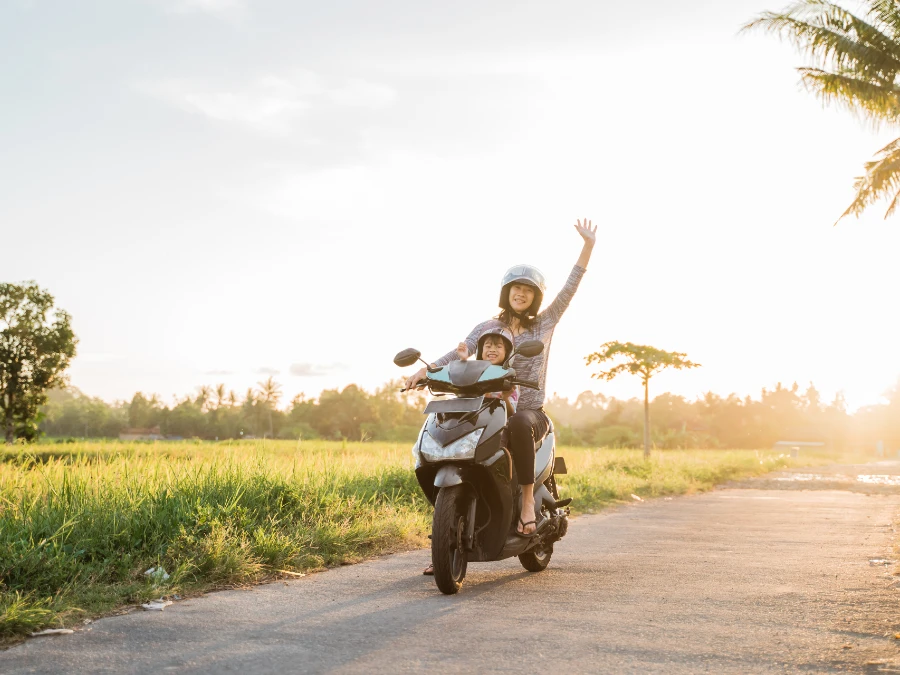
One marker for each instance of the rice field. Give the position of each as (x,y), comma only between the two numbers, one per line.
(81,523)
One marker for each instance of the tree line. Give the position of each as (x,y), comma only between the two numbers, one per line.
(591,419)
(782,413)
(215,413)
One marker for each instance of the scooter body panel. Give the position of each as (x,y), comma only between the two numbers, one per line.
(448,476)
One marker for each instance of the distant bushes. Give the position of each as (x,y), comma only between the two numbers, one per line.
(350,413)
(711,421)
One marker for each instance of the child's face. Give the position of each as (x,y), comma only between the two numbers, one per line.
(493,350)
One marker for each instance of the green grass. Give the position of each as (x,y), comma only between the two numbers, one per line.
(81,523)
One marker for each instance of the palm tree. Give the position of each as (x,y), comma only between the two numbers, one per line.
(269,395)
(204,394)
(250,409)
(855,64)
(220,395)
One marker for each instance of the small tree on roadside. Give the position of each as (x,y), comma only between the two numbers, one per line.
(638,360)
(36,345)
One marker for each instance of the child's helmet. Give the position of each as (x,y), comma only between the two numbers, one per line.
(503,332)
(528,275)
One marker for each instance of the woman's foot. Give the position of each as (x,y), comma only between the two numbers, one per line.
(527,525)
(429,571)
(526,528)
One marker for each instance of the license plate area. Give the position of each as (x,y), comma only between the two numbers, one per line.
(454,405)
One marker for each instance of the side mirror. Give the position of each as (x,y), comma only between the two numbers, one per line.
(530,348)
(407,357)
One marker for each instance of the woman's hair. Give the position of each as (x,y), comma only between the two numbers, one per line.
(506,317)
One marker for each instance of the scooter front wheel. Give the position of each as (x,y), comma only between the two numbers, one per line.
(447,550)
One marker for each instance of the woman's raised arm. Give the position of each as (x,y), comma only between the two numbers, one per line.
(556,308)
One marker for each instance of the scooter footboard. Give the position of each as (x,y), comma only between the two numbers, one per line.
(515,544)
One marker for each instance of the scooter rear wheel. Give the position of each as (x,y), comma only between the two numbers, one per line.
(537,559)
(447,552)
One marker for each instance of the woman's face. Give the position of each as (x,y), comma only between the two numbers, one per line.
(520,297)
(493,349)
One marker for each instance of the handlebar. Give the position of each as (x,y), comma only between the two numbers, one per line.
(528,384)
(418,385)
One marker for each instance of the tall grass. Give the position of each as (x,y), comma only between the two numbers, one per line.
(80,525)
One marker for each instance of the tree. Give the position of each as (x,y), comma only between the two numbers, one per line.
(143,412)
(204,397)
(221,396)
(269,396)
(638,360)
(343,414)
(36,346)
(855,64)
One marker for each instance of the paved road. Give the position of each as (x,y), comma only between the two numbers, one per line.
(733,581)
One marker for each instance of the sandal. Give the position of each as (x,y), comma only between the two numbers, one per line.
(524,524)
(429,571)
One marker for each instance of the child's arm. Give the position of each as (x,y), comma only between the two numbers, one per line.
(511,399)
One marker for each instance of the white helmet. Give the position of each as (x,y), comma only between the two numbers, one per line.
(503,332)
(528,275)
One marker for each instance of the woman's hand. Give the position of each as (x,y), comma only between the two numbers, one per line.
(588,232)
(462,351)
(415,378)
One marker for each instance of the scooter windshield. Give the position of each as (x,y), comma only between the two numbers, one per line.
(490,372)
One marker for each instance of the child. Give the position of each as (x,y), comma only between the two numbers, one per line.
(494,345)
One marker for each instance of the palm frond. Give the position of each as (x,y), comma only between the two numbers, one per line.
(873,101)
(835,37)
(882,178)
(888,13)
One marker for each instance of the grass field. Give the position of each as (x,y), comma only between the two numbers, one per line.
(81,523)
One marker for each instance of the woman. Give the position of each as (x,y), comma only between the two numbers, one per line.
(521,295)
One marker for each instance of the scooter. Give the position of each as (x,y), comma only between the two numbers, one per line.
(465,469)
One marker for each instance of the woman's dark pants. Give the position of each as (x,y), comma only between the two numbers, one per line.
(525,428)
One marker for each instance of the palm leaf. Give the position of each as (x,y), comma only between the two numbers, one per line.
(832,35)
(874,102)
(888,13)
(882,178)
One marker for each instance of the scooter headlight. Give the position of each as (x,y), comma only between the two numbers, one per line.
(461,448)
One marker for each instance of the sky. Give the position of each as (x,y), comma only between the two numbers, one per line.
(224,190)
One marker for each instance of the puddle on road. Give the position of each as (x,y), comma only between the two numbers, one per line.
(879,480)
(868,479)
(873,478)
